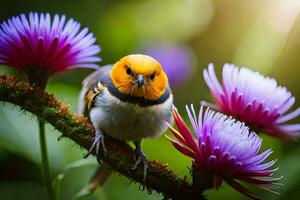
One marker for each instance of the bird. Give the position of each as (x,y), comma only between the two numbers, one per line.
(130,100)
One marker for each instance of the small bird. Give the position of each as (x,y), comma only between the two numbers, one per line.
(129,101)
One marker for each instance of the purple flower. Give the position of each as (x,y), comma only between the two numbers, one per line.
(176,62)
(254,99)
(224,148)
(41,47)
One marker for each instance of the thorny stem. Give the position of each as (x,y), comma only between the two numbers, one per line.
(120,156)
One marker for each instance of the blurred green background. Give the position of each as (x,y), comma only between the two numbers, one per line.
(260,34)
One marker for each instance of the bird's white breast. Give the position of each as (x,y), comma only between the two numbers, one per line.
(127,121)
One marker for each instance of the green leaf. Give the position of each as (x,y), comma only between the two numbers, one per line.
(72,182)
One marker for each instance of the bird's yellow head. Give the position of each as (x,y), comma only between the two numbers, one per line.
(139,76)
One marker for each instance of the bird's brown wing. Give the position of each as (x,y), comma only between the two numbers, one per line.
(92,85)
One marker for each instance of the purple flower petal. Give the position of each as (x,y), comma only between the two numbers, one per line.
(254,99)
(226,148)
(36,43)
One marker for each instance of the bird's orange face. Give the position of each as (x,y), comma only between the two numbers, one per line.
(139,76)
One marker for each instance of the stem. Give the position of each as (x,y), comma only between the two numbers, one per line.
(45,161)
(202,180)
(40,79)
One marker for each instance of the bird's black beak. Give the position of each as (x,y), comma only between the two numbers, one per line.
(139,80)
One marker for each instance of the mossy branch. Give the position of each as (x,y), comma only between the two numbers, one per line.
(79,129)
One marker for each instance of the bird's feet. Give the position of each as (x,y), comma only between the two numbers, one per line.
(99,140)
(140,158)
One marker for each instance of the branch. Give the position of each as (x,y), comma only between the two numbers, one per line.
(79,129)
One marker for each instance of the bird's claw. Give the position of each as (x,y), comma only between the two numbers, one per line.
(140,158)
(99,140)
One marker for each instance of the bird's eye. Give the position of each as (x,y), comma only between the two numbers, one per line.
(152,76)
(128,70)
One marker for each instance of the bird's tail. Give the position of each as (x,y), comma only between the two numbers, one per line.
(99,178)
